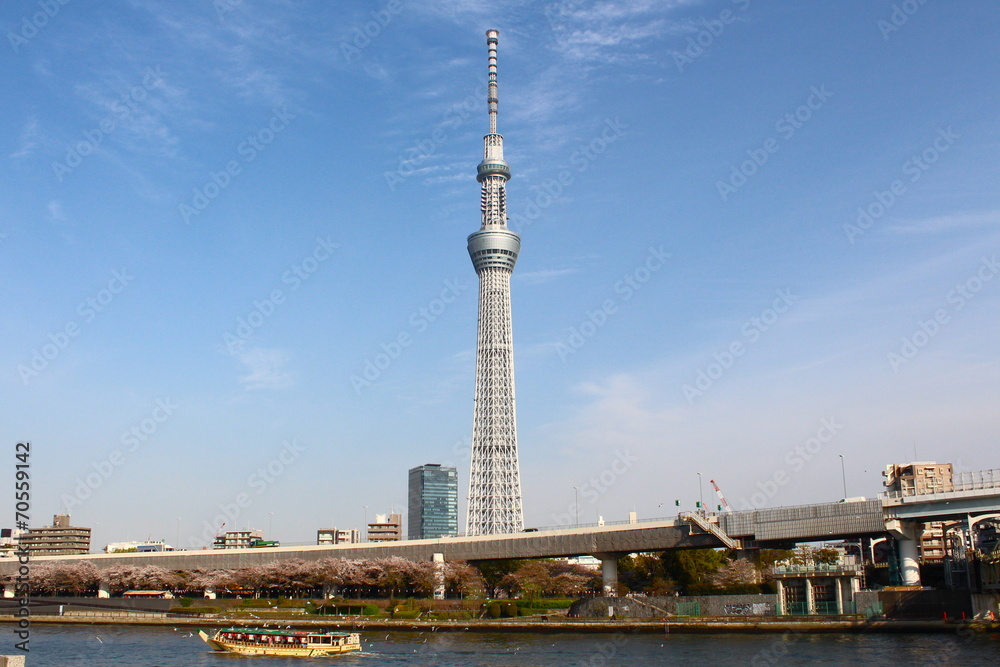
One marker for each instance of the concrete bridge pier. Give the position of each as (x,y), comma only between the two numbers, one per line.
(906,533)
(439,578)
(909,565)
(609,573)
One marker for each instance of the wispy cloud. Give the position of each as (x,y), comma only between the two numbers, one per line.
(266,368)
(56,213)
(542,276)
(948,223)
(28,140)
(610,32)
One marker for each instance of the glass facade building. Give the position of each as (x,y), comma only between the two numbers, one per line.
(433,502)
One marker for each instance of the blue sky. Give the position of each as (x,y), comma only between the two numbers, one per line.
(756,237)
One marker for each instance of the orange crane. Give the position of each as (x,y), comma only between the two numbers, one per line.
(718,491)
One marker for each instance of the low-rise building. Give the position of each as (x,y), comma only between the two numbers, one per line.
(918,478)
(331,536)
(148,546)
(386,528)
(237,539)
(59,539)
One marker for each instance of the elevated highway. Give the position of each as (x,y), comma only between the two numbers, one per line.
(609,542)
(974,496)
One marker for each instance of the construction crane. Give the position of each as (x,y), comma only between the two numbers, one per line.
(718,491)
(219,534)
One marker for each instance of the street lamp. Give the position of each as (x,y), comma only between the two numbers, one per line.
(843,475)
(365,527)
(701,496)
(576,503)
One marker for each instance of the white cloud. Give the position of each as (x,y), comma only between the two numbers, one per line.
(266,368)
(56,213)
(947,223)
(542,276)
(28,140)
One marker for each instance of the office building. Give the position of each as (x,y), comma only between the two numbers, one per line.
(433,502)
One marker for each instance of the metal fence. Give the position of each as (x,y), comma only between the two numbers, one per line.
(689,609)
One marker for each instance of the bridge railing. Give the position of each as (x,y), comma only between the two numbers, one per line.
(976,480)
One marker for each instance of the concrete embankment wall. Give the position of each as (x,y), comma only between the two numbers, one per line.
(658,607)
(701,626)
(51,605)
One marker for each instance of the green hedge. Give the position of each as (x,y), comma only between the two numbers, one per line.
(409,614)
(293,603)
(256,604)
(348,609)
(545,604)
(452,615)
(195,610)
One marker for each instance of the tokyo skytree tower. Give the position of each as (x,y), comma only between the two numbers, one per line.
(495,479)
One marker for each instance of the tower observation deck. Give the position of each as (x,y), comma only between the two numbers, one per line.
(495,478)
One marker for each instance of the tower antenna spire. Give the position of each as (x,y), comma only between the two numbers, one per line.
(492,97)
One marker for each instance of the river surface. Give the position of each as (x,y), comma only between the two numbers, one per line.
(62,646)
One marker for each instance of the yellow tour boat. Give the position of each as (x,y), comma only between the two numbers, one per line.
(292,643)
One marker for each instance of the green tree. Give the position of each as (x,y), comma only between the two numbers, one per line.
(689,567)
(826,556)
(645,572)
(768,557)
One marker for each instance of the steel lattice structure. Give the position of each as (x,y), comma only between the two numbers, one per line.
(495,479)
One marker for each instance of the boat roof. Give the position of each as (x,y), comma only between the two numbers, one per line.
(275,631)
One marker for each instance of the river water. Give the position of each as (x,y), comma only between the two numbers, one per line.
(62,646)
